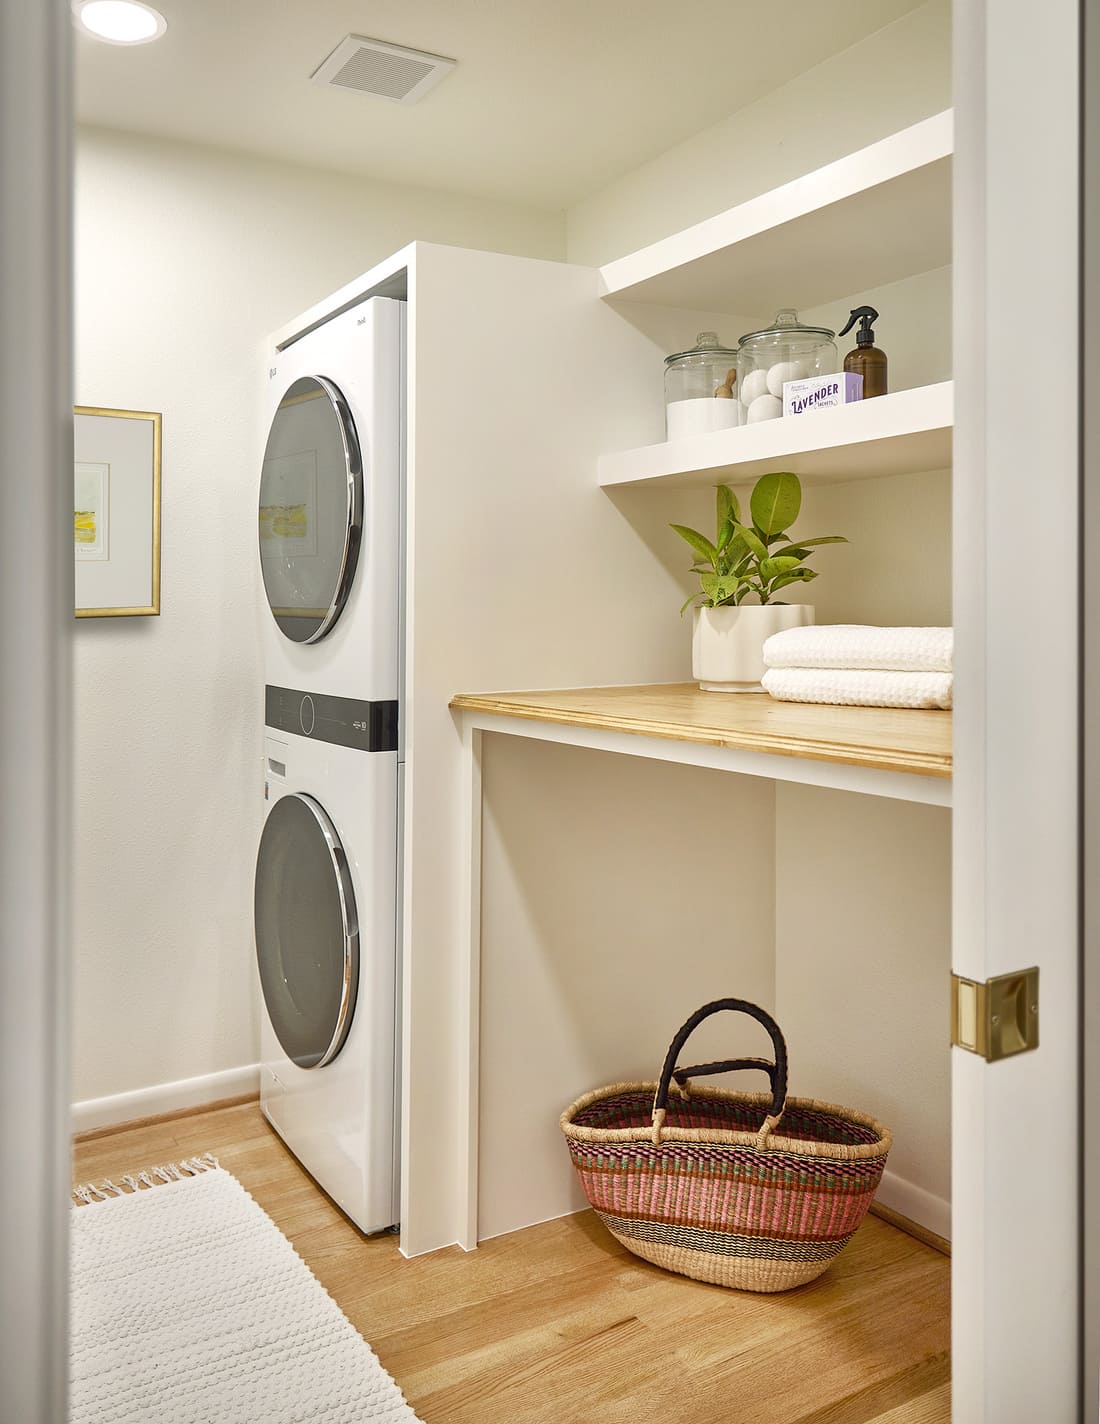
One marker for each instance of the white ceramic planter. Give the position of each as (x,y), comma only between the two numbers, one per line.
(727,646)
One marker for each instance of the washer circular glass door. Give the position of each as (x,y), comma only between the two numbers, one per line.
(311,509)
(307,931)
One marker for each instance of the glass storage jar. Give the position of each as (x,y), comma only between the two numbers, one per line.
(701,388)
(784,351)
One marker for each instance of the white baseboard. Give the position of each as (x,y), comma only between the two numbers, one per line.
(165,1098)
(926,1210)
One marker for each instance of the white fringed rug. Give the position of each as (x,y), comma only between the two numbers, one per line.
(189,1306)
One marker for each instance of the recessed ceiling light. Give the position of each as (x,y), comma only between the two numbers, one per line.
(120,22)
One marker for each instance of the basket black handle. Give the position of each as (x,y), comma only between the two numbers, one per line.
(730,1065)
(777,1071)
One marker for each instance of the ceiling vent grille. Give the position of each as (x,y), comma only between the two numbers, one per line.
(374,67)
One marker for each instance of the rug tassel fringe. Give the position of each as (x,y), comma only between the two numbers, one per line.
(132,1183)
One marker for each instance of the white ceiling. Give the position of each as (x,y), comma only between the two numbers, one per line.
(551,99)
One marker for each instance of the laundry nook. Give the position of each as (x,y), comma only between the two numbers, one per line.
(570,825)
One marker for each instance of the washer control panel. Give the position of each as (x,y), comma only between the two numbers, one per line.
(343,721)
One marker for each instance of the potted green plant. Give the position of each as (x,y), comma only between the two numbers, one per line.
(740,575)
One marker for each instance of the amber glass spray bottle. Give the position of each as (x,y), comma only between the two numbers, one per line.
(866,360)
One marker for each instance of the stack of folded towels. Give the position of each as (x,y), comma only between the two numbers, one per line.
(854,665)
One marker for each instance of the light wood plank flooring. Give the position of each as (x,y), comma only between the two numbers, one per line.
(558,1323)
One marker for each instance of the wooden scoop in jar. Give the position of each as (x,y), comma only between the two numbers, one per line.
(725,390)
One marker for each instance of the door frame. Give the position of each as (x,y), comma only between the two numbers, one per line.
(1090,711)
(36,593)
(1015,1155)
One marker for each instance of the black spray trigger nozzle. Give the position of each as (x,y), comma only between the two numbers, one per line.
(865,316)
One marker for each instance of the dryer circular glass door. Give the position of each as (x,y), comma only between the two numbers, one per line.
(307,931)
(311,509)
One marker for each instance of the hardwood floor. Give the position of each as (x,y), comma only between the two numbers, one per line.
(559,1323)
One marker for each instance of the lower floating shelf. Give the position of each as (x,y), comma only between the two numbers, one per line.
(880,751)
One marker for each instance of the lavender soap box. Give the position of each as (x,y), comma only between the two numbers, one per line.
(816,392)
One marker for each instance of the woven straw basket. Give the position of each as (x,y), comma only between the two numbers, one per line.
(700,1185)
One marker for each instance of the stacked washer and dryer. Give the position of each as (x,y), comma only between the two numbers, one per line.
(326,894)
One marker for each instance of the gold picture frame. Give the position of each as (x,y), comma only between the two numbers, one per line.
(114,468)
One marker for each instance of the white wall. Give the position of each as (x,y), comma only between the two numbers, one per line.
(893,78)
(896,567)
(186,259)
(624,895)
(914,326)
(863,964)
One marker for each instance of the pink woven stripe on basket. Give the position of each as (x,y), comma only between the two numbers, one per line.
(757,1206)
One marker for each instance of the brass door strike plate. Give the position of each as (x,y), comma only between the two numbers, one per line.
(997,1019)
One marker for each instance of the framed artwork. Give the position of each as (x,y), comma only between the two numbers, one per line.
(116,512)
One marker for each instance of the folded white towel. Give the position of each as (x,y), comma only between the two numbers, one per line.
(860,687)
(858,645)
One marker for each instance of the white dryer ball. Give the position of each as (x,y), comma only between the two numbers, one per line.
(785,371)
(765,407)
(753,386)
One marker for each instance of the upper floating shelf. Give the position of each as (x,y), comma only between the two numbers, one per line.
(890,435)
(874,217)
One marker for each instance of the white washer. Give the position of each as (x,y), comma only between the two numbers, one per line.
(327,868)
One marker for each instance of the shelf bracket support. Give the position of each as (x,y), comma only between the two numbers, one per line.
(997,1019)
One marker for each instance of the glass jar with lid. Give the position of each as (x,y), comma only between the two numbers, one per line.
(784,351)
(701,388)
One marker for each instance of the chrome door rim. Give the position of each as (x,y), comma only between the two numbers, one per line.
(349,920)
(353,529)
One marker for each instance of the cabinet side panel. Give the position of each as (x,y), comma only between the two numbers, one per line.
(522,573)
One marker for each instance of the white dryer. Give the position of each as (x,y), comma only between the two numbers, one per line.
(330,499)
(326,905)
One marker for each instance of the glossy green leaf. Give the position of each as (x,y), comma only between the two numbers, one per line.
(798,576)
(775,502)
(737,550)
(780,564)
(699,542)
(753,541)
(719,590)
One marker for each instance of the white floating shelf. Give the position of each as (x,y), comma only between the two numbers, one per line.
(870,218)
(889,435)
